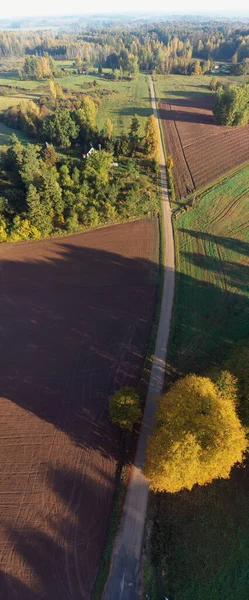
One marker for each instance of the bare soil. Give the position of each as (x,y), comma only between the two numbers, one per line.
(201,150)
(76,315)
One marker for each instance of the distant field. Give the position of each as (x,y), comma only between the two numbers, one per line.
(201,150)
(183,86)
(200,539)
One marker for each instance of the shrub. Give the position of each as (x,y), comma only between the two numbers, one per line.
(124,408)
(198,436)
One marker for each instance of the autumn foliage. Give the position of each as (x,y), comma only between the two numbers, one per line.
(152,138)
(124,408)
(198,436)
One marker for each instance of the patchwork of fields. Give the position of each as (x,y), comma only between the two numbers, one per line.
(201,150)
(76,316)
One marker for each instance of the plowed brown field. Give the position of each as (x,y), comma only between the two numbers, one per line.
(201,150)
(76,315)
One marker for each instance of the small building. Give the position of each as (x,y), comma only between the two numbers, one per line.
(88,153)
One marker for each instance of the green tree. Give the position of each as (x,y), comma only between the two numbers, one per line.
(213,84)
(51,193)
(198,436)
(14,155)
(64,177)
(98,168)
(31,167)
(39,213)
(134,125)
(232,105)
(60,128)
(124,408)
(133,134)
(108,129)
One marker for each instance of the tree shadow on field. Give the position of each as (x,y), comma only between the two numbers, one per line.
(212,310)
(234,244)
(200,540)
(134,110)
(75,324)
(57,554)
(189,95)
(186,116)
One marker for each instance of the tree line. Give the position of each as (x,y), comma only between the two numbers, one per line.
(165,47)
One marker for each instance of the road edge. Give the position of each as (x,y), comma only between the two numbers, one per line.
(122,581)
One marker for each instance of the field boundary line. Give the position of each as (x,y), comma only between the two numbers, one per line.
(123,581)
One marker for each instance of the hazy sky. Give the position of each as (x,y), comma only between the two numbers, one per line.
(47,7)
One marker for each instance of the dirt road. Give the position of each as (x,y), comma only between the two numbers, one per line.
(123,581)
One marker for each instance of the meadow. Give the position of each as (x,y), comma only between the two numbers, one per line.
(183,86)
(120,100)
(200,539)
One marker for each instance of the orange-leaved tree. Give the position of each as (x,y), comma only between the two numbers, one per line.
(198,436)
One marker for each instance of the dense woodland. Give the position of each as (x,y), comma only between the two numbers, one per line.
(43,193)
(166,47)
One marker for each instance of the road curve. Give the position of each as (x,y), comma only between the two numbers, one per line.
(122,583)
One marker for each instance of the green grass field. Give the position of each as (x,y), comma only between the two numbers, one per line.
(123,98)
(200,539)
(6,133)
(182,86)
(212,245)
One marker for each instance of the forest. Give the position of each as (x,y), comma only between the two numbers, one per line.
(43,192)
(167,47)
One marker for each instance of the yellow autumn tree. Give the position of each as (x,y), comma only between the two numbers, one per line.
(108,129)
(151,140)
(198,436)
(52,89)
